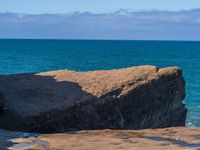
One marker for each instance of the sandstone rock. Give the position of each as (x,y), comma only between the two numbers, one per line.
(58,101)
(149,139)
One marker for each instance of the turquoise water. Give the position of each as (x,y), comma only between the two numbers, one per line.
(19,56)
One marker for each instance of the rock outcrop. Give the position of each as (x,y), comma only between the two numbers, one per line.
(58,101)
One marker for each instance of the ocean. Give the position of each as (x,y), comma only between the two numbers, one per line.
(23,56)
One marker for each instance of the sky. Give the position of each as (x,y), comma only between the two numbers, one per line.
(100,19)
(95,6)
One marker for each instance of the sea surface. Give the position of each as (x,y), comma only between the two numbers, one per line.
(21,56)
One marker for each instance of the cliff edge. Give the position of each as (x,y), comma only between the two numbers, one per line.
(58,101)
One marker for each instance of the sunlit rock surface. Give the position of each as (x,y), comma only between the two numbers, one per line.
(149,139)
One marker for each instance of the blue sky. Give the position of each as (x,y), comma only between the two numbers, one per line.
(110,19)
(95,6)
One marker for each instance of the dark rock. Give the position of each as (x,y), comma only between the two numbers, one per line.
(58,101)
(1,103)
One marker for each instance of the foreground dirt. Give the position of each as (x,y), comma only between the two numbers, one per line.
(153,139)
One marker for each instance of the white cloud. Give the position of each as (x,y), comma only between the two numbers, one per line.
(122,24)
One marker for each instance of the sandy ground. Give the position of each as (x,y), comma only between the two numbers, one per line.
(157,139)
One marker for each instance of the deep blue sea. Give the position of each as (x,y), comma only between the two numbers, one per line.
(19,56)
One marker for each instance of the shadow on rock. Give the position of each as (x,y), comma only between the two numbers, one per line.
(7,139)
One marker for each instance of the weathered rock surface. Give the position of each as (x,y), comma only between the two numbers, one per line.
(58,101)
(148,139)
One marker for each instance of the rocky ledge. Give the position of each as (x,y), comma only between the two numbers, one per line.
(58,101)
(149,139)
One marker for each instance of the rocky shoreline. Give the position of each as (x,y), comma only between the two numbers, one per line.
(122,100)
(178,138)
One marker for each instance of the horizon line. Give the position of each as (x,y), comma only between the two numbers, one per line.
(62,39)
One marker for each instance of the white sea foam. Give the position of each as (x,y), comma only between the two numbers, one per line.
(190,124)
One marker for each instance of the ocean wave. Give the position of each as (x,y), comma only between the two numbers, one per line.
(190,124)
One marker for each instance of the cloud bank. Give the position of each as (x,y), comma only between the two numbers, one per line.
(122,24)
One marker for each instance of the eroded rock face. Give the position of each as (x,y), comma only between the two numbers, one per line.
(58,101)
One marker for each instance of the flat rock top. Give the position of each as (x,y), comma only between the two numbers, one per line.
(99,83)
(151,139)
(36,92)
